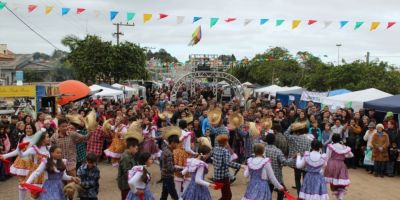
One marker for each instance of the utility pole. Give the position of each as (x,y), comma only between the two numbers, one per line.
(338,53)
(367,58)
(118,33)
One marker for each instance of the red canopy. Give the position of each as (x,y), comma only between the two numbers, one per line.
(72,90)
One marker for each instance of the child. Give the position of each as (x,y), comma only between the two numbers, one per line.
(336,173)
(139,178)
(89,175)
(326,136)
(315,131)
(221,161)
(125,164)
(117,145)
(54,168)
(314,186)
(197,188)
(4,148)
(171,134)
(260,171)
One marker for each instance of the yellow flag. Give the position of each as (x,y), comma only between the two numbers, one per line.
(374,26)
(146,17)
(295,23)
(48,9)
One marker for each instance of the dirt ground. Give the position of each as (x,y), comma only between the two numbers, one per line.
(363,186)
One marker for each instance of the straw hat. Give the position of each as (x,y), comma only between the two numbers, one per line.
(253,130)
(205,141)
(107,126)
(214,116)
(75,119)
(90,121)
(164,115)
(188,119)
(266,122)
(235,120)
(297,126)
(169,131)
(135,131)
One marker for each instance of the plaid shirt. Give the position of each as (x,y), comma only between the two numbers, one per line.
(221,161)
(297,144)
(278,160)
(218,131)
(81,147)
(167,163)
(95,142)
(89,181)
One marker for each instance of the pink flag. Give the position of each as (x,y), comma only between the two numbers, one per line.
(31,8)
(80,10)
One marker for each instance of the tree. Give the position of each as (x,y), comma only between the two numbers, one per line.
(162,55)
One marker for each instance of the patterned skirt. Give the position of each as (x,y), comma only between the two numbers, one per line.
(314,187)
(147,195)
(336,173)
(196,191)
(116,148)
(21,166)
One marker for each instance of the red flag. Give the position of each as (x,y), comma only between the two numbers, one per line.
(390,24)
(22,145)
(289,196)
(163,15)
(218,186)
(80,10)
(31,8)
(230,20)
(310,22)
(33,188)
(141,196)
(5,161)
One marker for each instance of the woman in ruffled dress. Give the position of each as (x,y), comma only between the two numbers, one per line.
(149,133)
(336,173)
(117,146)
(198,168)
(260,171)
(314,185)
(139,179)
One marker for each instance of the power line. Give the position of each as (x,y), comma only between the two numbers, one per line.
(38,34)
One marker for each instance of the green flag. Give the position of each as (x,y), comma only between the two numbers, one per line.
(2,5)
(279,22)
(213,21)
(130,16)
(358,25)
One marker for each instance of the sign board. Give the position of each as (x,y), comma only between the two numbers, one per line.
(315,97)
(19,76)
(18,91)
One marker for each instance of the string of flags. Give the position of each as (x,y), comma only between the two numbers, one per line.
(129,16)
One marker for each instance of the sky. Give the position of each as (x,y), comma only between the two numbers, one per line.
(224,38)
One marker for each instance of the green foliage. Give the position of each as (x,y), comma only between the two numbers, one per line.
(161,55)
(33,76)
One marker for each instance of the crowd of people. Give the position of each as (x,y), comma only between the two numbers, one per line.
(59,153)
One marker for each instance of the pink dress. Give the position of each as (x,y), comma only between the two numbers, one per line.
(336,171)
(149,143)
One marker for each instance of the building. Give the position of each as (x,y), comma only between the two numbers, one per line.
(11,62)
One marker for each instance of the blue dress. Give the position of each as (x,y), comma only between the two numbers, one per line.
(314,184)
(147,195)
(53,187)
(258,188)
(196,191)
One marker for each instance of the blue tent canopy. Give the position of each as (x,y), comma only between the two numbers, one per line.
(386,104)
(284,96)
(338,92)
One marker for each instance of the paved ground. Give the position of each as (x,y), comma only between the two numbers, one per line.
(364,186)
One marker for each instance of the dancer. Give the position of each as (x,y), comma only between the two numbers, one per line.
(197,189)
(55,172)
(260,171)
(139,178)
(149,134)
(89,174)
(117,145)
(336,173)
(314,185)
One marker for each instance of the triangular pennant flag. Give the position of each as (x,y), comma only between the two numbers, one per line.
(163,16)
(113,14)
(196,36)
(311,22)
(247,22)
(327,23)
(2,5)
(213,21)
(179,19)
(230,20)
(390,24)
(358,25)
(263,21)
(279,22)
(130,16)
(48,9)
(65,11)
(343,23)
(31,8)
(374,26)
(146,17)
(80,10)
(295,23)
(195,19)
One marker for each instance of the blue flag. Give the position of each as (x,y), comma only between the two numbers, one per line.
(65,11)
(113,14)
(195,19)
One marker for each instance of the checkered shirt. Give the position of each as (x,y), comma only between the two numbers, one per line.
(297,144)
(221,161)
(278,160)
(81,147)
(167,163)
(95,142)
(218,131)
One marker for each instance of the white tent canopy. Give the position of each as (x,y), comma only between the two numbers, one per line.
(129,91)
(107,92)
(355,99)
(273,89)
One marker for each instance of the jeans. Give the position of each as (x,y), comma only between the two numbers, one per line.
(391,168)
(168,187)
(280,194)
(297,179)
(379,167)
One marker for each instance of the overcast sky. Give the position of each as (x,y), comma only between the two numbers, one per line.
(223,38)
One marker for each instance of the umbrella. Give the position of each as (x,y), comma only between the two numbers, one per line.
(71,91)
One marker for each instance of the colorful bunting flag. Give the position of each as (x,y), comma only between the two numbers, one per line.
(196,36)
(146,17)
(130,16)
(48,9)
(31,8)
(390,24)
(162,16)
(213,21)
(230,20)
(247,22)
(2,5)
(311,22)
(343,23)
(179,19)
(80,10)
(263,21)
(195,19)
(295,23)
(279,22)
(327,23)
(65,11)
(113,14)
(374,26)
(358,25)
